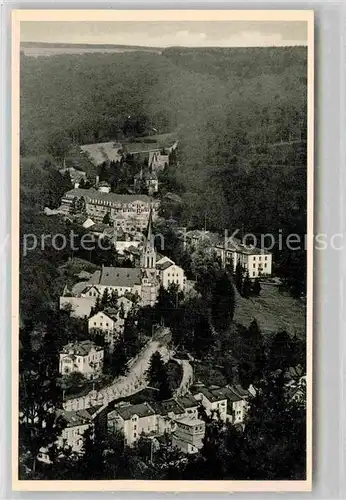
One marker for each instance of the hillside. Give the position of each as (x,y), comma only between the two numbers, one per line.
(240,116)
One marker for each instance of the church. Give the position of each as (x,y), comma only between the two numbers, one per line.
(157,270)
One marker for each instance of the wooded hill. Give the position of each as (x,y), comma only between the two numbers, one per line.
(240,115)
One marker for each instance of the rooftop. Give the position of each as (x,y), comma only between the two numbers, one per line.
(168,406)
(191,422)
(116,276)
(78,417)
(212,395)
(80,348)
(141,410)
(93,194)
(187,401)
(164,265)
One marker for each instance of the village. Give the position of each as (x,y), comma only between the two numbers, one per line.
(107,298)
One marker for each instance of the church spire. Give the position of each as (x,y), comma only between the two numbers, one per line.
(149,253)
(149,228)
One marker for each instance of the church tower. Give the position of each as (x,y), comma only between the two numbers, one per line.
(148,257)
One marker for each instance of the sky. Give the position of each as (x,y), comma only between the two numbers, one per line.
(168,33)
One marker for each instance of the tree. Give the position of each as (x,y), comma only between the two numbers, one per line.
(157,376)
(239,274)
(275,433)
(251,355)
(39,398)
(256,287)
(107,219)
(105,298)
(247,285)
(281,353)
(223,302)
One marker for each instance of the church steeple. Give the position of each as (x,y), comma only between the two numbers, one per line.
(149,252)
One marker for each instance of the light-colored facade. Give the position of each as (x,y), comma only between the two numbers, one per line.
(230,403)
(99,202)
(84,357)
(215,403)
(110,324)
(170,273)
(188,434)
(133,421)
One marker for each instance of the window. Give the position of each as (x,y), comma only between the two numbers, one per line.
(253,274)
(135,427)
(254,265)
(134,435)
(94,323)
(265,265)
(265,258)
(101,323)
(106,324)
(259,258)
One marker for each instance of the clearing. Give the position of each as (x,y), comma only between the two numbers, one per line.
(273,310)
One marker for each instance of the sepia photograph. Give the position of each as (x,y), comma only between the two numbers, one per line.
(162,266)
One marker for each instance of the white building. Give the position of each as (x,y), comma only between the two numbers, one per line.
(169,273)
(230,403)
(77,422)
(84,357)
(109,323)
(189,434)
(213,400)
(133,420)
(257,262)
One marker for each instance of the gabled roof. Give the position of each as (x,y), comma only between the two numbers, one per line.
(112,314)
(141,410)
(75,418)
(187,401)
(211,395)
(80,348)
(168,406)
(164,265)
(117,276)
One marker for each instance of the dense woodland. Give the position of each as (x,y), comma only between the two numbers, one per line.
(239,114)
(240,117)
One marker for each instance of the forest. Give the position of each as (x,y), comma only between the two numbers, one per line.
(239,115)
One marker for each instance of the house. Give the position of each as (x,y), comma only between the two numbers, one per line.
(189,434)
(158,160)
(189,404)
(213,400)
(149,178)
(169,273)
(237,404)
(257,262)
(109,323)
(84,357)
(132,420)
(168,412)
(75,175)
(99,202)
(77,422)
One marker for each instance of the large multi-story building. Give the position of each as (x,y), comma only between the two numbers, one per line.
(84,357)
(231,251)
(157,418)
(97,203)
